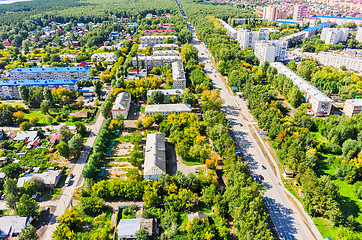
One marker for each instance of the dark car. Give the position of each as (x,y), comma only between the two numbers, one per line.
(263,167)
(261,177)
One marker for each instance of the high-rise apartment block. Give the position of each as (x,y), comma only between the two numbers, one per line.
(247,38)
(334,35)
(300,12)
(271,50)
(271,13)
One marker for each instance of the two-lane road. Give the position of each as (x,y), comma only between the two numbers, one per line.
(289,218)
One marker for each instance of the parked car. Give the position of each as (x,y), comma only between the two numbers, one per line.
(67,181)
(261,177)
(3,196)
(71,176)
(263,167)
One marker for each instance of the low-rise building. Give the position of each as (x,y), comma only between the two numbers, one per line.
(153,40)
(178,75)
(168,93)
(108,57)
(87,91)
(321,103)
(162,46)
(338,60)
(134,74)
(167,109)
(153,31)
(271,50)
(155,156)
(230,31)
(27,136)
(150,62)
(334,35)
(313,30)
(11,226)
(50,73)
(121,105)
(10,89)
(127,228)
(166,53)
(352,106)
(50,178)
(70,57)
(247,38)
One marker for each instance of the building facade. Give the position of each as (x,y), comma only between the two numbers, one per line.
(166,53)
(300,12)
(321,103)
(10,89)
(50,73)
(108,57)
(149,62)
(230,31)
(337,60)
(121,105)
(70,57)
(352,106)
(334,35)
(271,50)
(178,75)
(271,13)
(153,40)
(167,109)
(359,34)
(155,156)
(247,38)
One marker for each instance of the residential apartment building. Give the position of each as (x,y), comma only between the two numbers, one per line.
(153,40)
(321,103)
(10,89)
(271,13)
(121,105)
(167,109)
(108,57)
(300,12)
(247,38)
(166,53)
(149,62)
(178,75)
(168,93)
(337,60)
(359,34)
(352,106)
(271,50)
(162,46)
(70,57)
(155,156)
(313,30)
(230,31)
(49,73)
(334,35)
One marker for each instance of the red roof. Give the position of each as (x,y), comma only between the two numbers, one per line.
(159,31)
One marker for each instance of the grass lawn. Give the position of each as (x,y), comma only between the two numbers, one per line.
(41,117)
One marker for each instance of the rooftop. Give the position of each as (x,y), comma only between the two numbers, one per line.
(122,101)
(166,91)
(128,227)
(168,108)
(12,224)
(49,178)
(355,102)
(38,82)
(155,154)
(50,69)
(26,135)
(325,24)
(334,17)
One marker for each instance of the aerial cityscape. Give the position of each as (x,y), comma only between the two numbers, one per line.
(180,119)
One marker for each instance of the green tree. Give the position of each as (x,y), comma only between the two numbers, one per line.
(89,171)
(28,233)
(45,106)
(157,97)
(148,122)
(142,234)
(91,206)
(158,118)
(47,93)
(27,206)
(139,124)
(63,149)
(65,134)
(97,88)
(75,144)
(351,148)
(10,186)
(136,158)
(33,120)
(187,97)
(29,188)
(81,129)
(106,108)
(12,170)
(24,93)
(25,126)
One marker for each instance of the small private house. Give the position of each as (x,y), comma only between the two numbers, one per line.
(121,105)
(108,57)
(127,228)
(288,173)
(50,178)
(11,226)
(155,156)
(28,136)
(80,115)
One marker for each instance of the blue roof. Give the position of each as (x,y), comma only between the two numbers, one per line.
(333,17)
(325,24)
(51,69)
(286,22)
(39,82)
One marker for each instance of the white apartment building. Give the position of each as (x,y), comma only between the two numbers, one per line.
(271,50)
(49,73)
(10,89)
(162,46)
(71,57)
(321,103)
(337,60)
(359,34)
(167,109)
(230,31)
(178,75)
(352,106)
(108,57)
(300,12)
(247,38)
(155,156)
(168,93)
(121,105)
(166,53)
(334,35)
(149,62)
(154,40)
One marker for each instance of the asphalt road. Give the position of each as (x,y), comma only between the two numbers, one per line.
(290,220)
(66,196)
